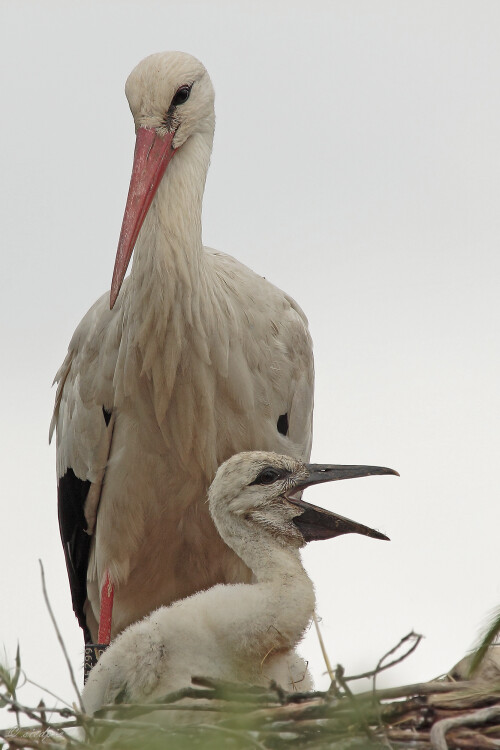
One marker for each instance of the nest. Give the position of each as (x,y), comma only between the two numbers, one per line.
(441,714)
(451,713)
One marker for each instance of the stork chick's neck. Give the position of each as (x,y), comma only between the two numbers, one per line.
(270,559)
(275,611)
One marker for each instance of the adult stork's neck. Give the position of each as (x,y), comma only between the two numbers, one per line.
(169,254)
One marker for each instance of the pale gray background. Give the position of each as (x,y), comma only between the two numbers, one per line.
(356,165)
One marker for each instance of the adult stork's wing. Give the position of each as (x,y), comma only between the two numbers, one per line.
(269,374)
(83,419)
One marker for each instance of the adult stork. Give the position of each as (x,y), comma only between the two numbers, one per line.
(197,358)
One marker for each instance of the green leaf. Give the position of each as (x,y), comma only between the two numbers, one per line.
(15,678)
(487,639)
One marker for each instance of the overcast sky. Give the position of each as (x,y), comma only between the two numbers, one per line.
(357,166)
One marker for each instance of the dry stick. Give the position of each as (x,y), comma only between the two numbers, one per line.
(438,731)
(234,691)
(31,714)
(417,638)
(373,673)
(59,637)
(323,651)
(165,700)
(339,676)
(64,712)
(418,688)
(379,668)
(56,727)
(20,742)
(46,690)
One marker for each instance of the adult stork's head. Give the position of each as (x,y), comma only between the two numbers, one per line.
(263,490)
(172,99)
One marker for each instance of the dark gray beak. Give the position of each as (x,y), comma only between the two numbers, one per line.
(317,523)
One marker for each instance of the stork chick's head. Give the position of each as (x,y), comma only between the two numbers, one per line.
(172,101)
(263,489)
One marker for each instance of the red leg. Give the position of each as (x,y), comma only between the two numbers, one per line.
(107,594)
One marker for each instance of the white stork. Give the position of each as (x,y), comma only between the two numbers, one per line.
(197,359)
(244,632)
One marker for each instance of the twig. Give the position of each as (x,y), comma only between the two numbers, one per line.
(218,685)
(392,663)
(31,714)
(14,740)
(418,688)
(438,731)
(63,712)
(324,652)
(417,638)
(145,708)
(46,690)
(165,700)
(57,727)
(59,637)
(341,680)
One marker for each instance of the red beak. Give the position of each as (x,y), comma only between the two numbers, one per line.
(151,157)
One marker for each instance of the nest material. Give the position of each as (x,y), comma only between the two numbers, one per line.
(452,713)
(442,715)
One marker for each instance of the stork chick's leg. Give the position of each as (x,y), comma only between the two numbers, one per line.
(107,594)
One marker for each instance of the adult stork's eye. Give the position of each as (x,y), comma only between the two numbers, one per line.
(181,95)
(268,476)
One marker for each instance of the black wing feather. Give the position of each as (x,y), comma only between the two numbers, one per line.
(71,495)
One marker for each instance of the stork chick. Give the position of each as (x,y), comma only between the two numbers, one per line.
(240,632)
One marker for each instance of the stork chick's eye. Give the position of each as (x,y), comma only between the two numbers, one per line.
(181,96)
(268,475)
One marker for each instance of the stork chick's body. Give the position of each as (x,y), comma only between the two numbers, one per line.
(199,359)
(238,633)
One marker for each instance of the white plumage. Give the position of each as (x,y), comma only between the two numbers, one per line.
(240,632)
(199,359)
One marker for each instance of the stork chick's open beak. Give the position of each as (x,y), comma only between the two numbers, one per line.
(151,157)
(317,523)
